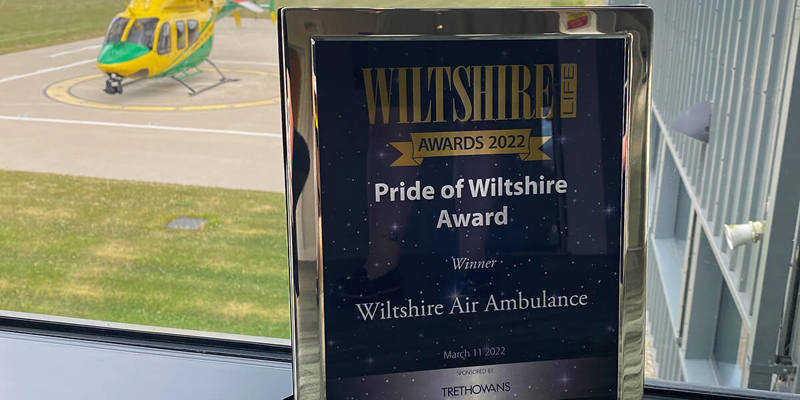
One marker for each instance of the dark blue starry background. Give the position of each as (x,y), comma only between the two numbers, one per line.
(562,243)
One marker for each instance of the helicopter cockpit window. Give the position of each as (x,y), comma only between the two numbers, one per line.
(193,30)
(180,33)
(116,29)
(165,39)
(143,32)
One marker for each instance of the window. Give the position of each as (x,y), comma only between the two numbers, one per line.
(116,29)
(143,32)
(226,276)
(193,31)
(165,39)
(180,34)
(83,233)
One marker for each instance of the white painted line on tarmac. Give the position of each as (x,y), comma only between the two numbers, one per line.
(271,64)
(63,53)
(46,70)
(140,126)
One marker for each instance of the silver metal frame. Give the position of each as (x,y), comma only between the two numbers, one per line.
(297,29)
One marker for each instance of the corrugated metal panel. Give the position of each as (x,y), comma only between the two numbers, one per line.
(733,54)
(662,331)
(736,55)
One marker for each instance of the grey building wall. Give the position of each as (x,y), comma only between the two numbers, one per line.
(720,316)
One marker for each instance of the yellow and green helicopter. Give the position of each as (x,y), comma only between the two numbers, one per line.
(165,38)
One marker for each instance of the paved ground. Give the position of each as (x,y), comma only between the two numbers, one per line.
(55,118)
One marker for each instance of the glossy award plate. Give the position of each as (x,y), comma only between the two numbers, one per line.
(467,194)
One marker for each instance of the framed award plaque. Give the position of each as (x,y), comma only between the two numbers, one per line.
(466,195)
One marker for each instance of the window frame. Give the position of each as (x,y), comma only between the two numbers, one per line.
(214,343)
(217,346)
(660,389)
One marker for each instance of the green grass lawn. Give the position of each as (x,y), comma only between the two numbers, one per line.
(99,249)
(26,24)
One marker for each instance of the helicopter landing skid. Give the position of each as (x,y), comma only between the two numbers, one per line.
(114,84)
(193,91)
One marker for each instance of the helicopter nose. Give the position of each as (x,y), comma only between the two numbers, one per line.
(120,52)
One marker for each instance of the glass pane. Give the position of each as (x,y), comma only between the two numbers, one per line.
(734,322)
(159,203)
(142,32)
(165,39)
(180,31)
(193,31)
(145,205)
(116,29)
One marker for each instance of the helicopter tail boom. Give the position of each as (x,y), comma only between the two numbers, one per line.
(231,6)
(249,5)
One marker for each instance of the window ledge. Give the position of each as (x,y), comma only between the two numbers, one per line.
(244,346)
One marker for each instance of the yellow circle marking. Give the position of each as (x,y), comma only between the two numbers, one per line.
(60,91)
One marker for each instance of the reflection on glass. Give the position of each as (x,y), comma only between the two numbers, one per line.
(164,39)
(143,31)
(180,34)
(116,29)
(193,26)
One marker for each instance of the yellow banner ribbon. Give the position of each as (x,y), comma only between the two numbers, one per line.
(470,143)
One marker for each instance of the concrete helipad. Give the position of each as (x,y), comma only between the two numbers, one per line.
(243,88)
(54,116)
